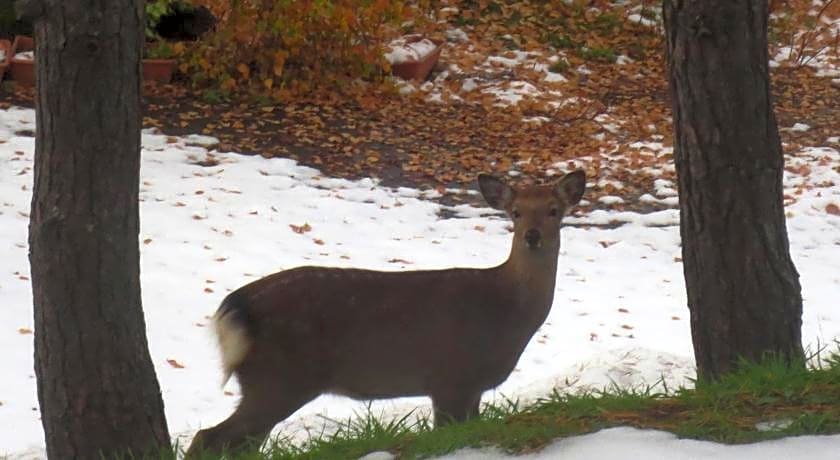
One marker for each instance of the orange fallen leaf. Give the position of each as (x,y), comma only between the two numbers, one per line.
(300,229)
(24,330)
(833,209)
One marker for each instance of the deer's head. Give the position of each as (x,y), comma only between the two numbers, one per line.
(536,210)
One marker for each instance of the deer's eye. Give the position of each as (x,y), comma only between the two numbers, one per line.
(515,214)
(553,212)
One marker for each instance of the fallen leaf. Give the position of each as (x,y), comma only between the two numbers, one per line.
(175,364)
(300,229)
(399,261)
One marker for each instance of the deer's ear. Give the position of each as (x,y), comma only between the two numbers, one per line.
(496,192)
(570,188)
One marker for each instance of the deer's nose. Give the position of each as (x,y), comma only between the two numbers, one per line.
(532,237)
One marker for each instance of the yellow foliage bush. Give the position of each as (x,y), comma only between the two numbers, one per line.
(282,47)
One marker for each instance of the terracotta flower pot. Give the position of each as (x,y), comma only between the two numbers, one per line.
(22,70)
(6,49)
(158,69)
(417,68)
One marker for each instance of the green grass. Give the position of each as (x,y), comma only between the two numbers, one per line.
(560,66)
(790,400)
(598,54)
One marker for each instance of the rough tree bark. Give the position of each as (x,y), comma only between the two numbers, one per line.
(743,289)
(96,384)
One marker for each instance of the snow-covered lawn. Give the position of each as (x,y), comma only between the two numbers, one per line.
(633,444)
(619,313)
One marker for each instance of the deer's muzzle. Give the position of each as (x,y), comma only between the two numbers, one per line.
(533,238)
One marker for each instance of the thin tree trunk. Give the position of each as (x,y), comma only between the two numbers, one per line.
(743,289)
(96,384)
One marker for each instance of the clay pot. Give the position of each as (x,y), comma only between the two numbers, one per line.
(22,70)
(417,69)
(6,48)
(158,69)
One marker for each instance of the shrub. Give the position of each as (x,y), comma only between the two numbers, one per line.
(280,47)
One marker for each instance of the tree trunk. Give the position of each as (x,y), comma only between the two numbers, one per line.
(96,384)
(743,289)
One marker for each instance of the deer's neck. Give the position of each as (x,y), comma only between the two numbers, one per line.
(531,274)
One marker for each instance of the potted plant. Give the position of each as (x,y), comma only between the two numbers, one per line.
(5,56)
(412,57)
(159,61)
(22,61)
(158,55)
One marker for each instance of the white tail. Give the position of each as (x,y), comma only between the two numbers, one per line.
(448,334)
(233,342)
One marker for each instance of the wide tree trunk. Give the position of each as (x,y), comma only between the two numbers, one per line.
(96,384)
(743,289)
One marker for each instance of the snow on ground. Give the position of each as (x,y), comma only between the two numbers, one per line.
(634,444)
(619,314)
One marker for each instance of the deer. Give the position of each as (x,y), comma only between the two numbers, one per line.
(448,334)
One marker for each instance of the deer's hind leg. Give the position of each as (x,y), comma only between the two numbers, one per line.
(264,403)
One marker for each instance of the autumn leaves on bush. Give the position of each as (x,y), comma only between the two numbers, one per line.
(277,48)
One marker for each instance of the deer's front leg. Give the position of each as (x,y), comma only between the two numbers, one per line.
(455,405)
